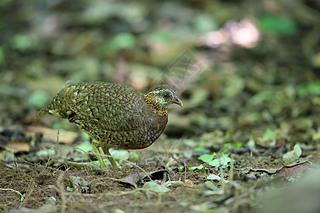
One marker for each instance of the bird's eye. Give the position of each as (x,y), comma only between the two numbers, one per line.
(166,95)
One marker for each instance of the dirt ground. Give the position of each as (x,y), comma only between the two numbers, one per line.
(40,187)
(246,140)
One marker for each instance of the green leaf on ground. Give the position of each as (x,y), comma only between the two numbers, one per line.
(211,186)
(277,25)
(207,158)
(223,161)
(84,147)
(267,134)
(152,186)
(22,42)
(307,89)
(201,149)
(38,99)
(237,144)
(196,167)
(316,136)
(122,41)
(119,154)
(251,142)
(261,97)
(293,155)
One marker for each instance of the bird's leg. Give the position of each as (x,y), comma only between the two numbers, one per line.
(98,154)
(106,151)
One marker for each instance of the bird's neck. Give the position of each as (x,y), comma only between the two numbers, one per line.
(152,103)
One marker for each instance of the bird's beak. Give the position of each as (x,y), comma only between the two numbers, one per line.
(177,101)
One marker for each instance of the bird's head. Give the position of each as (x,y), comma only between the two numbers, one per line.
(162,96)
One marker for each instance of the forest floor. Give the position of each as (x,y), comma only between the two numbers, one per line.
(246,139)
(240,181)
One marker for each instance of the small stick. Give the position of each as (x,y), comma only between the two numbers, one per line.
(19,193)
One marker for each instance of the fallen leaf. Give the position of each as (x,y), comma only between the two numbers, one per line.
(206,157)
(286,171)
(136,178)
(189,183)
(61,136)
(292,169)
(174,184)
(211,186)
(196,167)
(223,161)
(213,177)
(293,155)
(152,186)
(16,146)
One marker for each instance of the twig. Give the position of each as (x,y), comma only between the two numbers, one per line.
(19,193)
(60,190)
(115,194)
(91,167)
(29,192)
(185,171)
(133,164)
(231,169)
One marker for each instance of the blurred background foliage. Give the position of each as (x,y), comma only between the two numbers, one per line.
(247,71)
(258,60)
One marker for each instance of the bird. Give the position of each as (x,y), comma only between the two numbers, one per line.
(114,115)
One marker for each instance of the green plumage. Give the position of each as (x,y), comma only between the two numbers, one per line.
(114,115)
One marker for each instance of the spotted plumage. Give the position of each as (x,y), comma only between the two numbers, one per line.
(114,115)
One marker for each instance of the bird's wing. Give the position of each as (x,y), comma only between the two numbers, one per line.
(109,106)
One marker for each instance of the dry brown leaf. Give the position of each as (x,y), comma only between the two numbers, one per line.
(134,179)
(295,168)
(285,171)
(61,136)
(17,146)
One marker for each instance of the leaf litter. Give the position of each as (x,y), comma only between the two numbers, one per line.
(250,124)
